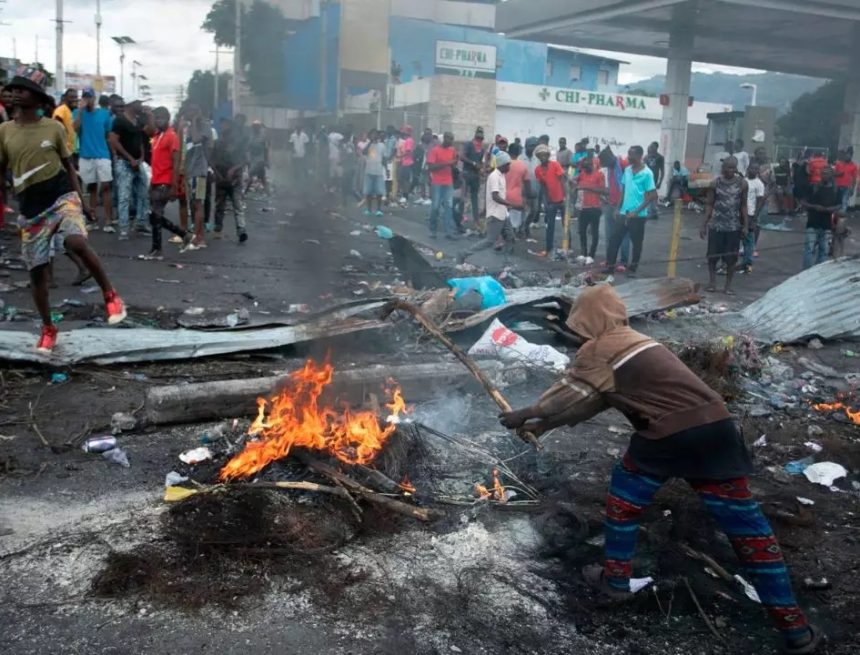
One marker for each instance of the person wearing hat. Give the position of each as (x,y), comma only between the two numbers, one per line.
(497,204)
(553,180)
(93,126)
(49,199)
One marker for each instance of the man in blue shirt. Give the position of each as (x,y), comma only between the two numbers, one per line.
(638,191)
(93,124)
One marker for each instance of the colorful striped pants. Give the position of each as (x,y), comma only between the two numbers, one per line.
(732,505)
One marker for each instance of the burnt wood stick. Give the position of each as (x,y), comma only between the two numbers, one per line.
(352,485)
(467,361)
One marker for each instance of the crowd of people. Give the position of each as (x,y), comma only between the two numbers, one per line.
(505,190)
(103,163)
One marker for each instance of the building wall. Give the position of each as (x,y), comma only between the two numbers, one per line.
(460,104)
(413,47)
(469,14)
(302,52)
(566,68)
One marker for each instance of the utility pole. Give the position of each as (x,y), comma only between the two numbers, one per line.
(237,58)
(323,54)
(59,74)
(99,38)
(216,94)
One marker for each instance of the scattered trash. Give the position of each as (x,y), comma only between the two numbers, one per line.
(59,378)
(814,447)
(814,430)
(491,291)
(196,455)
(90,289)
(122,422)
(749,590)
(355,233)
(761,441)
(820,369)
(177,266)
(613,452)
(298,309)
(815,344)
(638,584)
(383,232)
(163,281)
(173,478)
(618,429)
(74,302)
(805,501)
(175,494)
(440,255)
(355,253)
(99,444)
(194,311)
(499,341)
(117,456)
(800,465)
(266,210)
(824,473)
(57,317)
(4,288)
(313,241)
(816,585)
(849,353)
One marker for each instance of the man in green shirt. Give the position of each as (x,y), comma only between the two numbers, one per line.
(49,199)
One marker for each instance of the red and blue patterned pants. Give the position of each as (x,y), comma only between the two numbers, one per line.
(731,503)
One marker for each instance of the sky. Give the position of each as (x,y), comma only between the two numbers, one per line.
(171,44)
(170,47)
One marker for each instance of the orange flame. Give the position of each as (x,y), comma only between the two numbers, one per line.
(832,407)
(293,417)
(497,492)
(407,486)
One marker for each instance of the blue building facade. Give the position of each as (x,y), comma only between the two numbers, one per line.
(412,47)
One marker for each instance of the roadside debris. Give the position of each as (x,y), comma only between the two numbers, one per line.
(117,456)
(99,444)
(824,473)
(499,341)
(122,422)
(196,455)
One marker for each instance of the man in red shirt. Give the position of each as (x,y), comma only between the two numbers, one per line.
(165,182)
(815,166)
(845,171)
(440,163)
(550,175)
(591,185)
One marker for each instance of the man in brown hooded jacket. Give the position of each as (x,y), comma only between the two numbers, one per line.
(682,429)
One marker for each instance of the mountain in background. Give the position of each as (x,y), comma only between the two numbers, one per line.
(774,89)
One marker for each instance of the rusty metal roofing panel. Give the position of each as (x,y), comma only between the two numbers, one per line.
(822,301)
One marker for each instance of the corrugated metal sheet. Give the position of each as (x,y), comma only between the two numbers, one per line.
(121,345)
(641,297)
(822,301)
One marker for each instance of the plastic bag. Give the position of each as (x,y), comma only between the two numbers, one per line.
(117,456)
(499,341)
(491,291)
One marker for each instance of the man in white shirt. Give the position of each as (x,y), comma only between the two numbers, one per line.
(756,198)
(497,210)
(742,156)
(299,140)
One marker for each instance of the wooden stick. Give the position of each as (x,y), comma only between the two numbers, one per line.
(702,612)
(391,504)
(707,559)
(467,361)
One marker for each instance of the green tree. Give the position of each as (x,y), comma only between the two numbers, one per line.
(813,119)
(264,30)
(201,90)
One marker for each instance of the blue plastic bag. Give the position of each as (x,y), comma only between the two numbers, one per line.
(491,291)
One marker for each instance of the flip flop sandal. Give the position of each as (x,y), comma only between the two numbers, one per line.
(808,648)
(593,575)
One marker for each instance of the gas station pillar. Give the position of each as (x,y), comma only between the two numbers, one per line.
(849,131)
(673,130)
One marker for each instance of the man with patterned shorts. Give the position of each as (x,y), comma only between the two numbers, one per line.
(682,430)
(49,198)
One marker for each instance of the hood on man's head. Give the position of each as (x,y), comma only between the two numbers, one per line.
(597,310)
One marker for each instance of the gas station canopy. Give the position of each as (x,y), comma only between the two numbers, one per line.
(806,37)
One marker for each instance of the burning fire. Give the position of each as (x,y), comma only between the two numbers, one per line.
(497,493)
(293,417)
(832,407)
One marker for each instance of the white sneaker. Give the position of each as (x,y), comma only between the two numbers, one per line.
(589,261)
(580,259)
(189,248)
